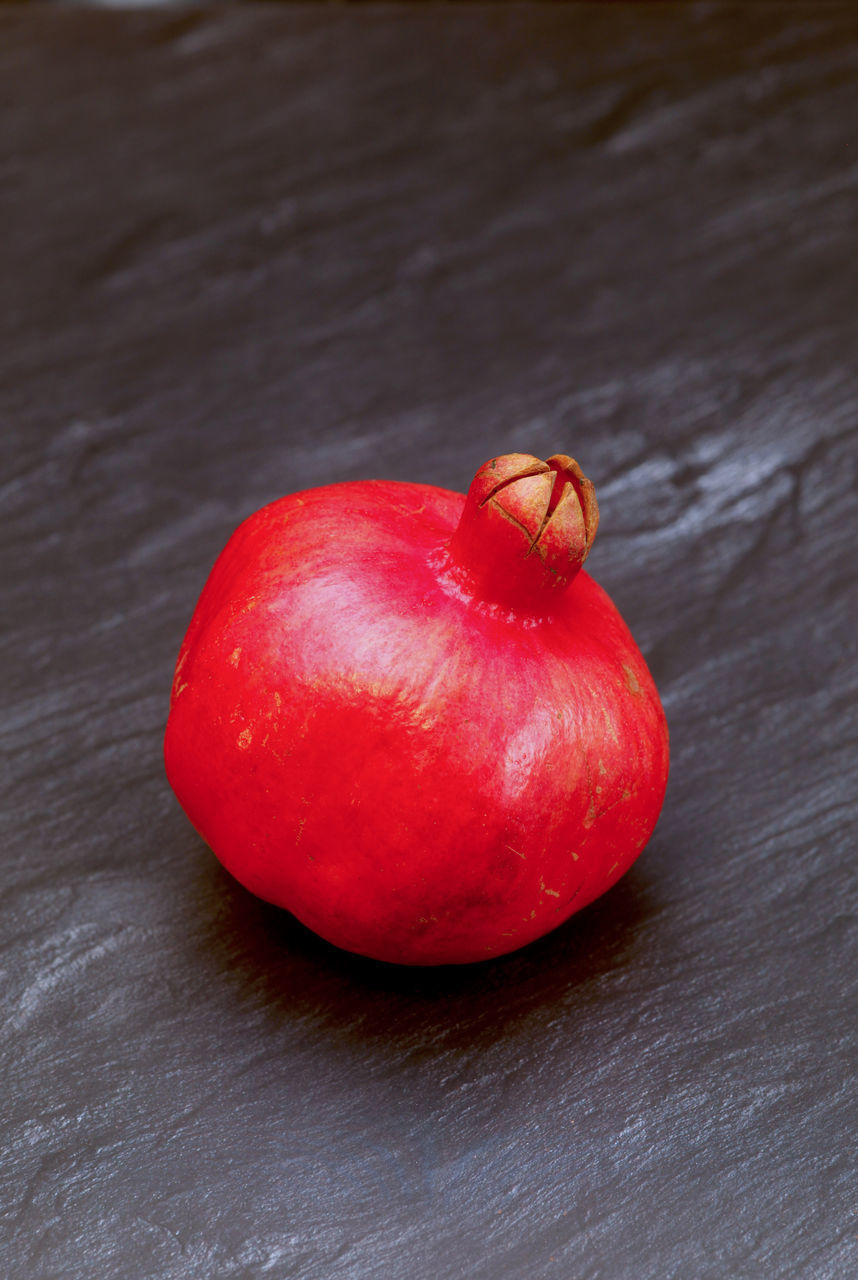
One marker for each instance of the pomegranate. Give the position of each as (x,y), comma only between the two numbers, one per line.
(411,718)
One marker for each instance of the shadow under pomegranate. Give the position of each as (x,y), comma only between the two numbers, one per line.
(268,956)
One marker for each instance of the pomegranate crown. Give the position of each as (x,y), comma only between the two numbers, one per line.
(526,528)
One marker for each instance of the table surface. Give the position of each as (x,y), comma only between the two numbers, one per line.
(249,251)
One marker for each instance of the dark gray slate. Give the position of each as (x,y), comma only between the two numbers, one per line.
(250,251)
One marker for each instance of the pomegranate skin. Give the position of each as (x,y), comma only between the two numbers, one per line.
(422,763)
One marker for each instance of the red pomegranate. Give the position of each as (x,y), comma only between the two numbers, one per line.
(410,718)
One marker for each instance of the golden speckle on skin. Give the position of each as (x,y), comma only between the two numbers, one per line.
(235,655)
(244,739)
(609,725)
(613,868)
(574,856)
(515,851)
(630,679)
(278,701)
(590,815)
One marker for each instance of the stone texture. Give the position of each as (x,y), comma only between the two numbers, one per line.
(250,251)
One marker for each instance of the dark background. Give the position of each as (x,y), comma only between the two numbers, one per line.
(250,251)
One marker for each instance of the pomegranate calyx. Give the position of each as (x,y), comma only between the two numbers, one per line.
(526,528)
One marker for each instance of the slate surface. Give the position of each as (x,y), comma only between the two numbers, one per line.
(250,251)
